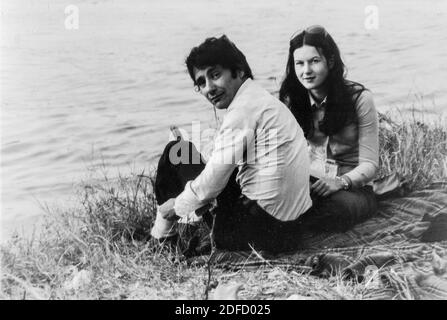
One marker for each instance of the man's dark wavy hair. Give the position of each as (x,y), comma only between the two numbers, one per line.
(342,94)
(218,51)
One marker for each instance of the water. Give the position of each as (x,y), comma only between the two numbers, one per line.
(108,92)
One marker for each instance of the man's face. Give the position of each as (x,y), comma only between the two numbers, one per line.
(218,85)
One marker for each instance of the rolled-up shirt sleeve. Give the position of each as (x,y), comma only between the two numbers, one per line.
(236,133)
(368,129)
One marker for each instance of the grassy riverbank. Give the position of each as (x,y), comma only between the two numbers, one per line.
(102,250)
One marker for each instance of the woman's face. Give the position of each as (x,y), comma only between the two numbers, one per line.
(311,68)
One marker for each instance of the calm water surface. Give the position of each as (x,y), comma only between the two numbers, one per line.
(108,92)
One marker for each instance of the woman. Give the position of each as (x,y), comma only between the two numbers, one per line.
(340,123)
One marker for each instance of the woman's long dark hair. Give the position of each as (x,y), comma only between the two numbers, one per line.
(342,94)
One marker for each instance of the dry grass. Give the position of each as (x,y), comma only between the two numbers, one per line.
(99,251)
(413,149)
(102,249)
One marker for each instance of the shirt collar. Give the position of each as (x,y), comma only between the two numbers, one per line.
(248,82)
(316,105)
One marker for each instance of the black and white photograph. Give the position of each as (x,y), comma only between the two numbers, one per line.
(250,151)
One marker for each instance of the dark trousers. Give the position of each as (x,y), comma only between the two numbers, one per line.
(341,210)
(240,222)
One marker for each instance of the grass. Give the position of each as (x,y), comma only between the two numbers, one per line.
(102,250)
(415,150)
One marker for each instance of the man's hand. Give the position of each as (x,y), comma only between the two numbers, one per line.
(167,210)
(325,187)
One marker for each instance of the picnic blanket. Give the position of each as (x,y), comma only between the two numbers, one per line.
(404,246)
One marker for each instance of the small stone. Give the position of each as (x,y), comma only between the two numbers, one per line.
(79,280)
(227,292)
(213,284)
(274,274)
(298,297)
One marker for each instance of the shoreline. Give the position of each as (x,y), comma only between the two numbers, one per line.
(102,249)
(35,204)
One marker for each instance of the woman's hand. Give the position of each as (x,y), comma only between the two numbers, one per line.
(325,187)
(167,210)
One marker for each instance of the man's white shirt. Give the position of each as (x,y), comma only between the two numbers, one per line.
(259,136)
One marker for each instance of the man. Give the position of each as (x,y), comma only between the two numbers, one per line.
(260,203)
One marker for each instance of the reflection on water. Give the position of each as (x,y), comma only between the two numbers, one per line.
(109,91)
